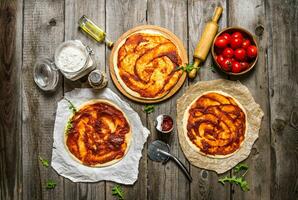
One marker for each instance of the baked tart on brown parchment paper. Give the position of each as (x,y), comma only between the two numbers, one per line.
(218,122)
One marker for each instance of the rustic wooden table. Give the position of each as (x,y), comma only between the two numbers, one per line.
(30,29)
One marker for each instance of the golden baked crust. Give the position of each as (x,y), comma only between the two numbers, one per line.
(215,124)
(146,65)
(99,135)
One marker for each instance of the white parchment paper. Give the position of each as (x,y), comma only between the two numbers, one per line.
(125,171)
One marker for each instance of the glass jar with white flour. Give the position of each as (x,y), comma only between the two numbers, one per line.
(72,59)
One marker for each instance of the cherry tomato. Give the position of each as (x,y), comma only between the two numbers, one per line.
(227,64)
(226,36)
(244,66)
(228,53)
(221,42)
(252,51)
(245,43)
(236,43)
(240,54)
(237,35)
(236,67)
(220,59)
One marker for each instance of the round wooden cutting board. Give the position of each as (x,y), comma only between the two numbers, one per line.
(166,33)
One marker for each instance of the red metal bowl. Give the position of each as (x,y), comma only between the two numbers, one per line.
(246,34)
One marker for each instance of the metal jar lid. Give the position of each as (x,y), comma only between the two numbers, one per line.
(95,78)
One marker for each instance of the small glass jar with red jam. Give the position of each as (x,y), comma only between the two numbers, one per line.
(164,123)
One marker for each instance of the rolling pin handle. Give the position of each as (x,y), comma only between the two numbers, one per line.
(217,14)
(192,74)
(196,63)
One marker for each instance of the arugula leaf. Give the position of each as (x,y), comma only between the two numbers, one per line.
(71,106)
(68,126)
(149,109)
(44,162)
(236,180)
(240,167)
(74,110)
(118,192)
(51,184)
(187,68)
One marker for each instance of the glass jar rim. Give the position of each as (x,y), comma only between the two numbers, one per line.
(46,62)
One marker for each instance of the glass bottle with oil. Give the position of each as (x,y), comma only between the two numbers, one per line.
(94,31)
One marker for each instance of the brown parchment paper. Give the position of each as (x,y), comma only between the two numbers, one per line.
(254,118)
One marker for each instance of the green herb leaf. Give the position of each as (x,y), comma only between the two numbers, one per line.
(44,162)
(240,167)
(118,192)
(213,69)
(71,106)
(187,68)
(68,126)
(235,180)
(74,110)
(51,184)
(149,109)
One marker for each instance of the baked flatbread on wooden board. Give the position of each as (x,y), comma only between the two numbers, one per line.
(147,64)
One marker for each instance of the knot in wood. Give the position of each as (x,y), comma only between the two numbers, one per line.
(204,174)
(254,151)
(52,22)
(259,30)
(278,126)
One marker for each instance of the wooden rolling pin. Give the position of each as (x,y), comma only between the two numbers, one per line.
(205,42)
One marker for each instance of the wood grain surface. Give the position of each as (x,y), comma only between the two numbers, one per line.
(42,32)
(10,100)
(257,82)
(30,29)
(283,98)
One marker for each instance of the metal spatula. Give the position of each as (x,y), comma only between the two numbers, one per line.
(160,152)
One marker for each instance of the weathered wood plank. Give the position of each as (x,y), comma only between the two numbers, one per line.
(205,184)
(43,31)
(122,16)
(282,18)
(251,16)
(167,181)
(95,10)
(11,19)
